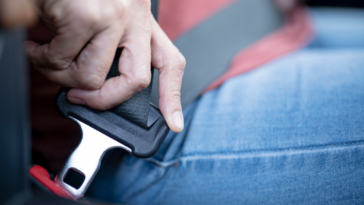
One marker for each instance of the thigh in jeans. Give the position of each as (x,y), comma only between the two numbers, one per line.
(289,132)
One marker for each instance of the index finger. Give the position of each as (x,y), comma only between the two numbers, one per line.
(170,64)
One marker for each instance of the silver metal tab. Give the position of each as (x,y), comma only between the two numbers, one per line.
(86,158)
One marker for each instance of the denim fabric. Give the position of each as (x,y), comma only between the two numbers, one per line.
(338,28)
(289,132)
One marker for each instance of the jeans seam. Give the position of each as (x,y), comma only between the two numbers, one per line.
(276,150)
(175,161)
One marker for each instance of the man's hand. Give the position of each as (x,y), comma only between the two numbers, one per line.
(88,32)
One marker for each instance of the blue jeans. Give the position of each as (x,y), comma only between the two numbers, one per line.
(289,132)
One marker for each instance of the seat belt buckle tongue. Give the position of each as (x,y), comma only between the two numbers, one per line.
(84,162)
(102,131)
(136,126)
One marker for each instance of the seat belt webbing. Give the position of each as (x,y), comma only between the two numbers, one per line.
(210,47)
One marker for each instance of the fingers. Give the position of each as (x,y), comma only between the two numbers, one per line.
(134,66)
(61,51)
(75,24)
(170,64)
(90,69)
(67,62)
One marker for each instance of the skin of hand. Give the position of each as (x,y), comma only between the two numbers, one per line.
(87,34)
(15,13)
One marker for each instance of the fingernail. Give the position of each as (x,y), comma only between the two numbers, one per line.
(77,100)
(178,119)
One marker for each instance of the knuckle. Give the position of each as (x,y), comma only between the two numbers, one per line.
(56,62)
(180,62)
(140,81)
(175,96)
(114,12)
(120,9)
(173,63)
(85,16)
(90,81)
(176,62)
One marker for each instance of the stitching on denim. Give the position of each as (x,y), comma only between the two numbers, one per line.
(163,164)
(185,157)
(276,150)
